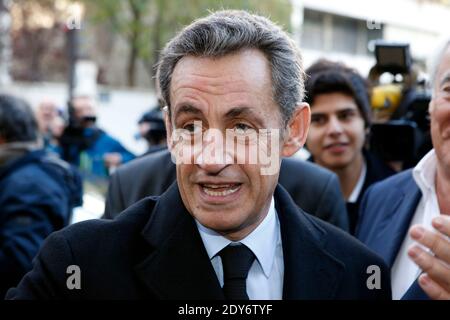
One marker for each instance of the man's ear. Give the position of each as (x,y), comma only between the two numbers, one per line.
(297,130)
(168,127)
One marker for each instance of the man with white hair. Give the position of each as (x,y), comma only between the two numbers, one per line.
(417,200)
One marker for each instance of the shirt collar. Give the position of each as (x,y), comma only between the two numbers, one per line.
(263,241)
(359,184)
(424,173)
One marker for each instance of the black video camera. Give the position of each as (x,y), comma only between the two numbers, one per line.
(73,139)
(400,132)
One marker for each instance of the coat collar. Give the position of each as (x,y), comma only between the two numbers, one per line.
(394,226)
(28,157)
(178,267)
(310,272)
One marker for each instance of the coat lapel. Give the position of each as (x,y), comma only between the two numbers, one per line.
(395,225)
(178,267)
(309,271)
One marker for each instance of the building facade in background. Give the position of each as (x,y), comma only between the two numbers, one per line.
(343,30)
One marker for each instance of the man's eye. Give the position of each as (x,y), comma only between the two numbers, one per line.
(193,127)
(347,115)
(318,120)
(242,128)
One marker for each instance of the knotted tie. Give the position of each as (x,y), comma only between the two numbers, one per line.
(236,261)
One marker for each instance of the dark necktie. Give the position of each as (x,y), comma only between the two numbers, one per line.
(236,262)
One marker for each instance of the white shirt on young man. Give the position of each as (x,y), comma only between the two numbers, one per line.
(359,184)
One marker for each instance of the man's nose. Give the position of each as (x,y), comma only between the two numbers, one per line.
(213,156)
(334,127)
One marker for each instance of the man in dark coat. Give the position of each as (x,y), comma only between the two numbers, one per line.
(37,192)
(225,229)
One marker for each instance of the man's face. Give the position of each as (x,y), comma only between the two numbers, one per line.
(336,136)
(440,112)
(232,92)
(83,107)
(47,111)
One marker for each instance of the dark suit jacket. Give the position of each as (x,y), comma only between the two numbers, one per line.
(377,170)
(385,215)
(314,189)
(154,250)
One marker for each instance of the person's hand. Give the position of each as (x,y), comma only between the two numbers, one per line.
(112,159)
(435,280)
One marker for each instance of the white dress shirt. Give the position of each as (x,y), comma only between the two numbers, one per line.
(359,185)
(265,277)
(404,271)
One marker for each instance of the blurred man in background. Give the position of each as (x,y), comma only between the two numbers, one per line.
(37,192)
(51,125)
(85,145)
(340,120)
(45,113)
(152,129)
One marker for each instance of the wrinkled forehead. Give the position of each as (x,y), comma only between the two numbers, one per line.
(248,67)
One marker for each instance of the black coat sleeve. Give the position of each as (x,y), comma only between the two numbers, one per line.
(48,278)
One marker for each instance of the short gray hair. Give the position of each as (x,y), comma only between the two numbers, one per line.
(229,31)
(436,60)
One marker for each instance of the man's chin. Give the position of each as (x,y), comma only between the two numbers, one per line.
(219,223)
(337,165)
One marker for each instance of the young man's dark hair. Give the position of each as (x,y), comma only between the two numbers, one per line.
(326,76)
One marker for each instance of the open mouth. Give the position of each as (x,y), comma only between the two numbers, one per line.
(220,190)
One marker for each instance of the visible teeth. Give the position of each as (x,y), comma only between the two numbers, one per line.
(209,192)
(217,186)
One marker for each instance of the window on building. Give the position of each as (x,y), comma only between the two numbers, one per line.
(329,32)
(312,33)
